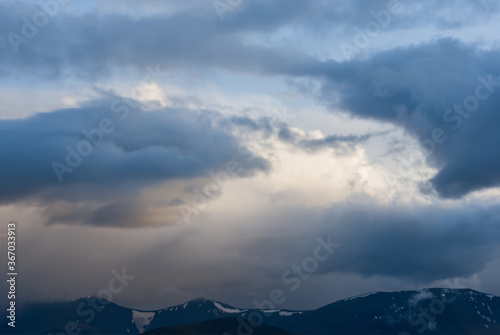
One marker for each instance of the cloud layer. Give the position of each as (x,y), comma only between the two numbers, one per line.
(423,92)
(444,93)
(108,150)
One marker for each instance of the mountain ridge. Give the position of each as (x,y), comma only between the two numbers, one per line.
(436,310)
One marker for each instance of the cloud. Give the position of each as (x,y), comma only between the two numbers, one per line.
(107,164)
(445,93)
(342,142)
(414,243)
(419,243)
(93,44)
(268,127)
(413,87)
(242,258)
(107,151)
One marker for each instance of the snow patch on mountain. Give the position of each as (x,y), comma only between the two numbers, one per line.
(359,296)
(142,319)
(289,313)
(228,310)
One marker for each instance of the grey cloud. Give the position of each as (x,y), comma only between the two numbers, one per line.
(410,87)
(261,124)
(269,126)
(343,142)
(420,244)
(125,213)
(400,247)
(92,45)
(418,88)
(137,150)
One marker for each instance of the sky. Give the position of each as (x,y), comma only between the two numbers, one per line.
(230,148)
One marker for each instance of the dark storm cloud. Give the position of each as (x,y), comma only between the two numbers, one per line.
(419,243)
(416,243)
(241,256)
(104,150)
(321,16)
(412,87)
(92,44)
(445,93)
